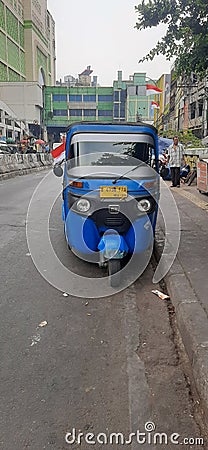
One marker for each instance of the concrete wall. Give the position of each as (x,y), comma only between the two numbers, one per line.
(17,164)
(25,99)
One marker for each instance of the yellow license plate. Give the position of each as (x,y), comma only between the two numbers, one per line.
(113,191)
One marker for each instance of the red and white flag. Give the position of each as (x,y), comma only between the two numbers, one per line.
(155,105)
(59,153)
(151,89)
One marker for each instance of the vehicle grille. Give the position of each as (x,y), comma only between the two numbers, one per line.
(114,221)
(117,221)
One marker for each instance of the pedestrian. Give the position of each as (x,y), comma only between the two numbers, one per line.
(175,160)
(47,148)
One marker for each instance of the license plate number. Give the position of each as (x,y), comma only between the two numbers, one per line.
(113,191)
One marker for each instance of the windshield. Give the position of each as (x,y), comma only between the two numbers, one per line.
(112,152)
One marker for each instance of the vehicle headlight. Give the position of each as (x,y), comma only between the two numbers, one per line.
(83,205)
(144,205)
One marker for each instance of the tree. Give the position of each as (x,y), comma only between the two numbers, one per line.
(186,37)
(187,138)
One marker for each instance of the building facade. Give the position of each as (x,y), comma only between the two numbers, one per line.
(27,42)
(39,35)
(10,127)
(126,100)
(189,105)
(12,48)
(27,59)
(64,105)
(20,99)
(161,115)
(130,100)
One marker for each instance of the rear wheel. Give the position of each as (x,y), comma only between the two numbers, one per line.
(114,267)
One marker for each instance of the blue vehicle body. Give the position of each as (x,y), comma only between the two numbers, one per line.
(112,226)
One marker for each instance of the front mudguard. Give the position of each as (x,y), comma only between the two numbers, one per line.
(113,245)
(81,233)
(140,235)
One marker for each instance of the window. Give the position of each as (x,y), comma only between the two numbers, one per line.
(116,110)
(75,98)
(105,98)
(59,98)
(193,110)
(122,110)
(116,96)
(200,107)
(60,112)
(89,112)
(89,98)
(123,95)
(106,113)
(109,149)
(75,112)
(131,90)
(141,91)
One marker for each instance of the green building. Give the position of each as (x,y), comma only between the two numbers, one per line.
(27,42)
(12,52)
(64,105)
(133,91)
(126,100)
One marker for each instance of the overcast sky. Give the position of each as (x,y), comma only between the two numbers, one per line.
(101,34)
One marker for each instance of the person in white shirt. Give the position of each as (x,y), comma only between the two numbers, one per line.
(175,160)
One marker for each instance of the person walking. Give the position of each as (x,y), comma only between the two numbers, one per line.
(175,159)
(47,148)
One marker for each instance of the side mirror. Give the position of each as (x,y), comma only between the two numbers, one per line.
(57,170)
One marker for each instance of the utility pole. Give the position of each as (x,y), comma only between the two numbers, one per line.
(205,115)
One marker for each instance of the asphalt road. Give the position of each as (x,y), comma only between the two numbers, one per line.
(98,365)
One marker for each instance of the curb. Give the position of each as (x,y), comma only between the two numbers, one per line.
(17,173)
(192,320)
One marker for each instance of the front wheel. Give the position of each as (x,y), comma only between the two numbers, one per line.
(114,267)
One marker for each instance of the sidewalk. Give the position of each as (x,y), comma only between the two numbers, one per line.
(187,280)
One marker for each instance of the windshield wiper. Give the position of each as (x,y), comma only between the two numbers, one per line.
(123,175)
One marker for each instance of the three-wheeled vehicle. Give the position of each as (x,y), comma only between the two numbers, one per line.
(110,191)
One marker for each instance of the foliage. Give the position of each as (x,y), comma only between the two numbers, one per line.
(185,137)
(186,37)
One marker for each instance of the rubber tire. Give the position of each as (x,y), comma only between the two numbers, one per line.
(114,267)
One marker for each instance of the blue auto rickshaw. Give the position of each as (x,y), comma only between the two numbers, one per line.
(110,191)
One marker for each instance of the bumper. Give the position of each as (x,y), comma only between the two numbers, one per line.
(83,235)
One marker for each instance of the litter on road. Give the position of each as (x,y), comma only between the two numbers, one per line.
(160,294)
(43,324)
(35,340)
